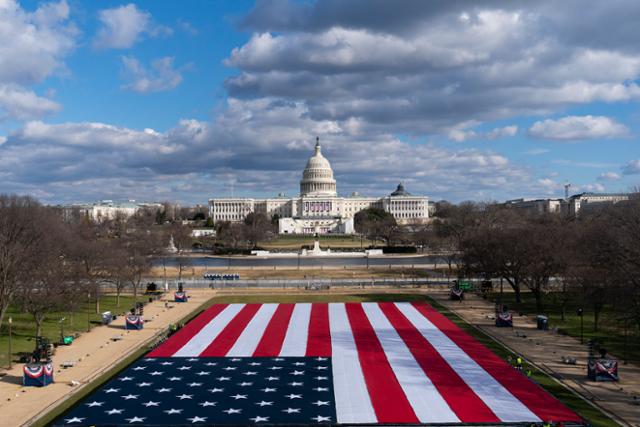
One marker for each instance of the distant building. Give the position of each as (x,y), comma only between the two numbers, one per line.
(108,210)
(570,207)
(319,209)
(590,201)
(535,206)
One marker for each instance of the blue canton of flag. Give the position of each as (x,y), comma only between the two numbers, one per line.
(212,390)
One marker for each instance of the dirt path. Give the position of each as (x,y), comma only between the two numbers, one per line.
(93,352)
(546,349)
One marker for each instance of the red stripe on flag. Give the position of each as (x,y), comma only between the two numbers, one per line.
(221,345)
(459,396)
(541,403)
(180,338)
(273,336)
(319,339)
(387,397)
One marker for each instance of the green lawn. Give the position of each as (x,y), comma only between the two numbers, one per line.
(23,329)
(610,334)
(326,241)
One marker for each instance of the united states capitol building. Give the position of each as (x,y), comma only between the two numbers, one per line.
(319,209)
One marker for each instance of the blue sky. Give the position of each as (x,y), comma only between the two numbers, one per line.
(460,100)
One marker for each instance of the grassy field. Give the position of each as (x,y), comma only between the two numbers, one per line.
(610,333)
(23,329)
(295,242)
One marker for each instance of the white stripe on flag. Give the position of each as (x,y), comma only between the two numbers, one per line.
(506,406)
(353,404)
(248,340)
(295,340)
(200,341)
(426,401)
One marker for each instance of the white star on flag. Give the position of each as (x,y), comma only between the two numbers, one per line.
(320,403)
(184,368)
(207,403)
(292,410)
(130,396)
(112,390)
(223,378)
(272,378)
(151,403)
(320,418)
(136,419)
(211,364)
(194,384)
(139,368)
(232,411)
(94,403)
(216,390)
(144,384)
(184,396)
(166,363)
(126,378)
(173,411)
(255,364)
(154,373)
(263,403)
(74,420)
(299,364)
(321,389)
(268,390)
(275,368)
(258,418)
(297,373)
(293,396)
(296,384)
(239,396)
(203,373)
(163,390)
(197,419)
(230,368)
(244,384)
(114,411)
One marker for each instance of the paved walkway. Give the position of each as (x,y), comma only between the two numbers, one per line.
(93,352)
(546,349)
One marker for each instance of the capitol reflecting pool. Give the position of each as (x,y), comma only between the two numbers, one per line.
(212,261)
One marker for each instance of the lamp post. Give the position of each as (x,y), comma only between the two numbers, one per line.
(10,325)
(580,312)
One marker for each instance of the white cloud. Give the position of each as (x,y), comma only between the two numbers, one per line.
(123,26)
(32,47)
(160,76)
(609,176)
(594,188)
(632,168)
(22,104)
(261,145)
(461,132)
(572,128)
(424,69)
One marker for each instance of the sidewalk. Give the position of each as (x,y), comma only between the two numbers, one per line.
(545,349)
(93,351)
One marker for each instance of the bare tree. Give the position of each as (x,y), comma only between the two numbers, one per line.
(21,230)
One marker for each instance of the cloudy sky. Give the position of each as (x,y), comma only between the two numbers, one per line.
(483,100)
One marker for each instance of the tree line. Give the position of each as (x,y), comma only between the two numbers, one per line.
(50,261)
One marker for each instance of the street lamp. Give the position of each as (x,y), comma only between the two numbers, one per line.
(10,325)
(580,312)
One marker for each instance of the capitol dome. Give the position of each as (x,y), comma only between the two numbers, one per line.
(317,178)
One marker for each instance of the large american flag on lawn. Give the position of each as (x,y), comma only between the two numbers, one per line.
(336,363)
